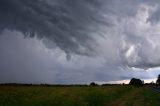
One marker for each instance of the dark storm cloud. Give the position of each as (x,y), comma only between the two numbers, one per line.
(123,32)
(67,23)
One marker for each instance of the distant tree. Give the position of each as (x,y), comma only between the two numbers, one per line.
(93,84)
(158,80)
(152,83)
(136,82)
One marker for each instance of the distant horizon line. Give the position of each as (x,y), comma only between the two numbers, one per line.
(97,82)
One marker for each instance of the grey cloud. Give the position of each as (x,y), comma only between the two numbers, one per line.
(121,32)
(29,61)
(67,23)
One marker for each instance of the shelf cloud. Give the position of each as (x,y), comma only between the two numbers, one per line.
(115,34)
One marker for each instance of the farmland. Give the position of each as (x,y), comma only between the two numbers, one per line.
(78,96)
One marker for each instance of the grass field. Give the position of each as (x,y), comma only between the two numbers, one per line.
(78,96)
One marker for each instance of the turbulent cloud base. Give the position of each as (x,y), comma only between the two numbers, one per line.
(100,38)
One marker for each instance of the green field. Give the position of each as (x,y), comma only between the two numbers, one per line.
(78,96)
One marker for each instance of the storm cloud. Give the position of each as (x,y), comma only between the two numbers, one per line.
(67,23)
(103,37)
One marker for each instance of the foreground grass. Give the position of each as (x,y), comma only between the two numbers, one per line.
(78,96)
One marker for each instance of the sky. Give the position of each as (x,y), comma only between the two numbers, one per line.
(79,41)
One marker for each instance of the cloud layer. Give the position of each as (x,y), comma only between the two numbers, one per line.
(67,23)
(115,35)
(29,61)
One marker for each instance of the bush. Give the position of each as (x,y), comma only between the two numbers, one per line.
(93,84)
(136,82)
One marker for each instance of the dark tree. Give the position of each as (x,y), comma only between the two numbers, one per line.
(158,80)
(93,84)
(136,82)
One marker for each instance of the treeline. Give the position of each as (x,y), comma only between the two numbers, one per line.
(61,85)
(58,85)
(22,84)
(133,81)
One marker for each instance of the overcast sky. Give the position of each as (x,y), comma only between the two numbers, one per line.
(78,41)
